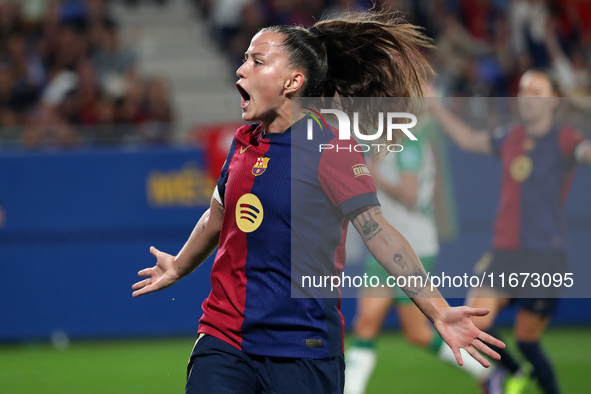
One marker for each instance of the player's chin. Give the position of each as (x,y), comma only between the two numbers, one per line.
(245,117)
(248,116)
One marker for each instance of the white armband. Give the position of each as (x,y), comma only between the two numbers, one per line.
(580,150)
(216,195)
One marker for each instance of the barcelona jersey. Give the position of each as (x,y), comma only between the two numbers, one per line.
(537,173)
(286,204)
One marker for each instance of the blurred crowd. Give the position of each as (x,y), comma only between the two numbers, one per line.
(66,79)
(483,46)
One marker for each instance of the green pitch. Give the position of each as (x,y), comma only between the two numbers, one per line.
(158,366)
(151,366)
(402,368)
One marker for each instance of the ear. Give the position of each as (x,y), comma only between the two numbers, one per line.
(294,83)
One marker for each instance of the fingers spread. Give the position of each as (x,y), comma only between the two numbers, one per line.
(484,337)
(477,311)
(486,350)
(141,284)
(458,356)
(145,272)
(477,356)
(154,251)
(140,292)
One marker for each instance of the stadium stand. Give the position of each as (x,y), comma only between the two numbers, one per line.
(96,72)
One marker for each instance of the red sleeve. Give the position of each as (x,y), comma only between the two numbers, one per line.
(345,178)
(568,139)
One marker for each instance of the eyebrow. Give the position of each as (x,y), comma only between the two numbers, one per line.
(260,53)
(254,54)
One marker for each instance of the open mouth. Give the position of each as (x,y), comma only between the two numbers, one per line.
(245,97)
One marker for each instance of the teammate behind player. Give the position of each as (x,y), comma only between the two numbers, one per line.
(538,158)
(254,337)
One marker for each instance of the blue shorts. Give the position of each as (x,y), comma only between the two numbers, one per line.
(216,367)
(530,294)
(540,306)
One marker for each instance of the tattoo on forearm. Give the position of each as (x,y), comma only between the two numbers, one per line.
(369,227)
(368,224)
(415,279)
(416,283)
(410,293)
(202,222)
(398,259)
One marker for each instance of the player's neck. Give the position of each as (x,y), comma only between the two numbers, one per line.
(539,127)
(282,119)
(275,126)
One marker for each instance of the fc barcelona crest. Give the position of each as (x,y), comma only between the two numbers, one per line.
(260,166)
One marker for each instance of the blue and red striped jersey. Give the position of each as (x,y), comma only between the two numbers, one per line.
(286,205)
(536,177)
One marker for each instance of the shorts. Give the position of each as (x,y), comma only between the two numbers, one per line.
(217,367)
(531,288)
(374,268)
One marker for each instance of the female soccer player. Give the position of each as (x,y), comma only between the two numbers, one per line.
(254,337)
(538,158)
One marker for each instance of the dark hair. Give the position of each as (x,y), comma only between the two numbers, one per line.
(360,54)
(550,76)
(306,51)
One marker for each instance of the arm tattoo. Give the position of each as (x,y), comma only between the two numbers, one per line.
(398,259)
(415,278)
(369,227)
(415,283)
(368,224)
(203,221)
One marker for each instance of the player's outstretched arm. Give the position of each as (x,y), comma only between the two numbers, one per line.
(201,243)
(394,252)
(461,133)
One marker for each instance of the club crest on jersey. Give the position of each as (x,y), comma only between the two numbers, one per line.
(260,166)
(521,168)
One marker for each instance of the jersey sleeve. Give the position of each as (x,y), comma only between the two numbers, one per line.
(568,140)
(220,188)
(346,180)
(410,158)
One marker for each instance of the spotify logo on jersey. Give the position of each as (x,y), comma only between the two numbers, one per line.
(249,213)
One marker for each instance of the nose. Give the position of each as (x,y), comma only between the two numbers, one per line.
(240,71)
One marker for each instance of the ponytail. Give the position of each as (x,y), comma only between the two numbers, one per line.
(374,54)
(360,54)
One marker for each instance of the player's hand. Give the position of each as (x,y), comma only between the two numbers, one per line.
(456,328)
(160,276)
